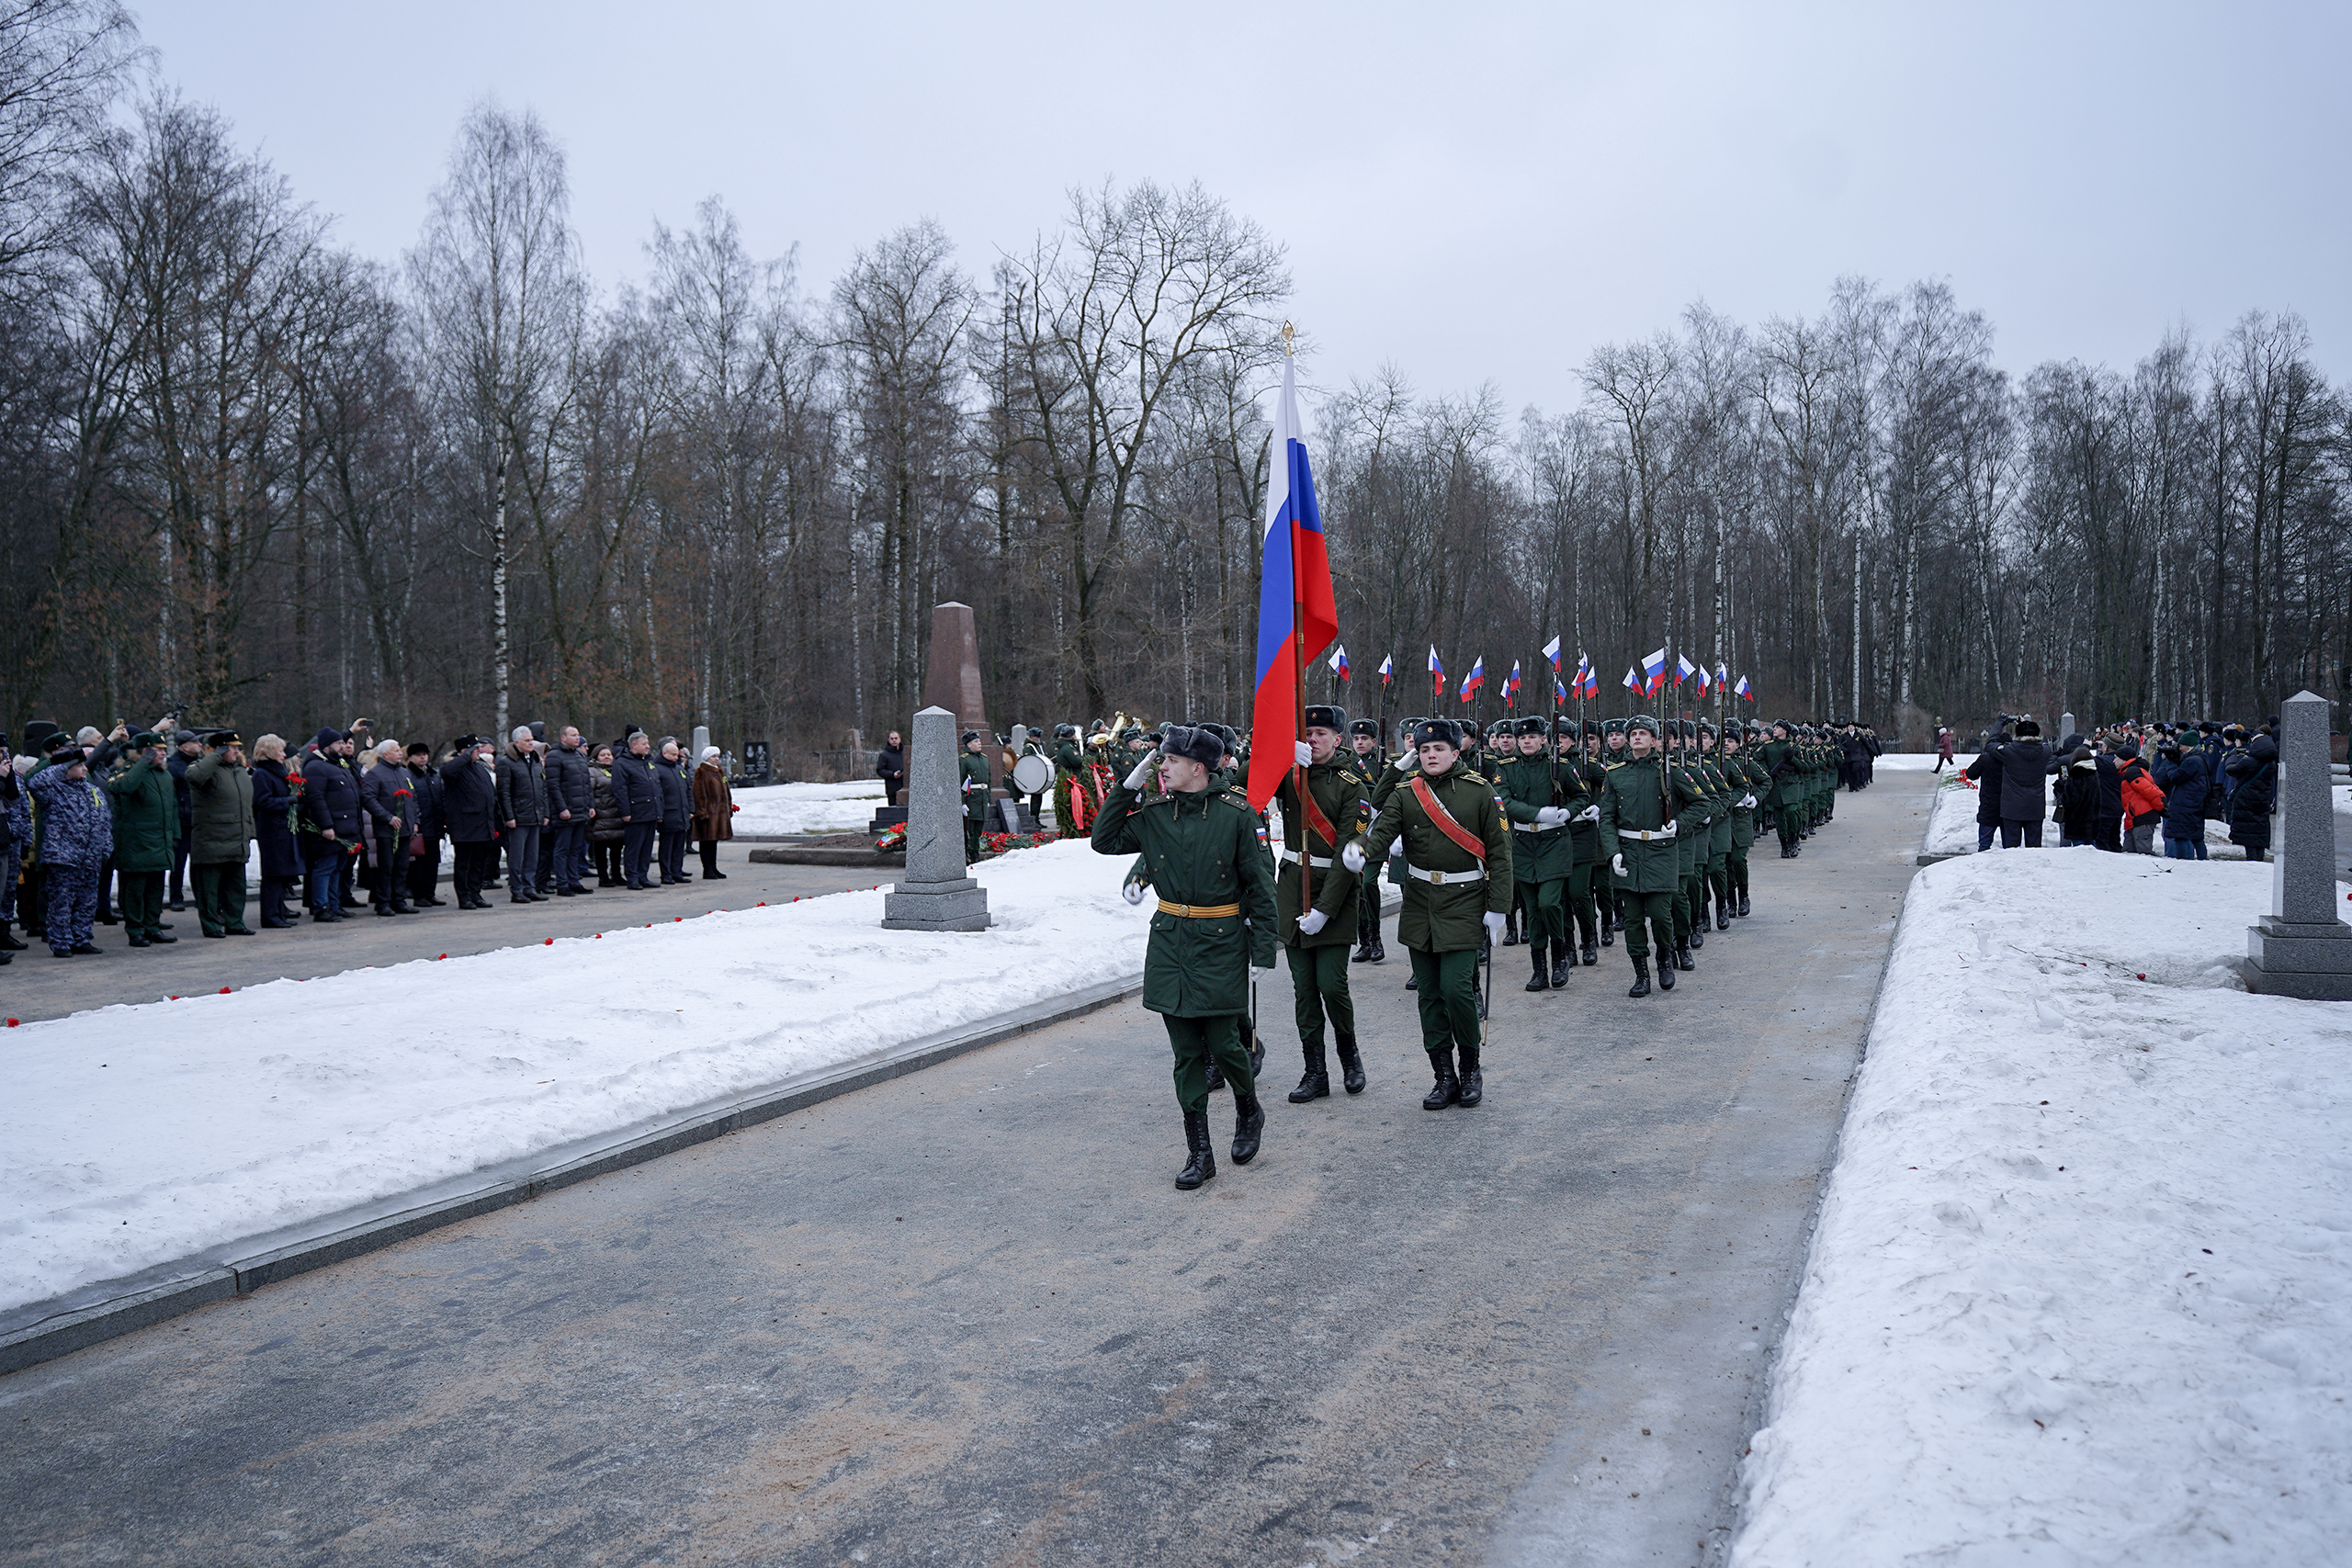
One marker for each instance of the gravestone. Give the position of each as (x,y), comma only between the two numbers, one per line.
(702,743)
(2301,948)
(2066,728)
(934,894)
(953,681)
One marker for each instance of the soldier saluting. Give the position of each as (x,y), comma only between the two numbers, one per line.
(1207,852)
(1334,811)
(1457,885)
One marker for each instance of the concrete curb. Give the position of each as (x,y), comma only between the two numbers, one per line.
(57,1330)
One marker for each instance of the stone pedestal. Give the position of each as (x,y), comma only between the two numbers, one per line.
(952,681)
(934,894)
(2066,728)
(2301,948)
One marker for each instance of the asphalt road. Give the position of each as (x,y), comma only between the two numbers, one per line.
(962,1317)
(40,985)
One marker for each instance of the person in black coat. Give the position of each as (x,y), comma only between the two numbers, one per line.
(274,831)
(2024,762)
(425,860)
(522,813)
(571,804)
(330,816)
(677,809)
(1985,773)
(890,767)
(2181,773)
(186,747)
(387,794)
(2107,827)
(470,808)
(2254,794)
(2077,798)
(640,803)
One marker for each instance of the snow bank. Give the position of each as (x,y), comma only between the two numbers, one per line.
(138,1135)
(2081,1287)
(807,807)
(1911,763)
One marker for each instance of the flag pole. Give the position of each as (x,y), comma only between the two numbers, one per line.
(1298,728)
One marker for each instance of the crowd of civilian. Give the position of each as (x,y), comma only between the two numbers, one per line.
(124,828)
(2122,786)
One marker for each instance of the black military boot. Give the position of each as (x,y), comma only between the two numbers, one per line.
(1682,959)
(1217,1074)
(1743,906)
(1351,1064)
(1448,1089)
(1591,953)
(1563,961)
(1316,1084)
(1412,982)
(1664,970)
(1641,987)
(1473,1082)
(1203,1165)
(1510,929)
(1379,948)
(1541,979)
(1362,954)
(1249,1124)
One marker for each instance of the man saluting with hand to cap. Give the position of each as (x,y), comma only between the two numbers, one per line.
(1206,854)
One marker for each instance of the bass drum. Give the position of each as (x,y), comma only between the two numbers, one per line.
(1032,775)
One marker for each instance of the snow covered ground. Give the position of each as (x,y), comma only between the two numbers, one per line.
(138,1135)
(807,807)
(1909,762)
(2081,1291)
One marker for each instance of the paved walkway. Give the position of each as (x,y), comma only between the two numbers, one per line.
(40,985)
(964,1318)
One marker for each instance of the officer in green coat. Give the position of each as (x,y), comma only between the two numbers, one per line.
(1751,779)
(146,825)
(221,835)
(1722,800)
(1216,885)
(974,766)
(1694,819)
(1639,806)
(1457,885)
(1336,810)
(1541,795)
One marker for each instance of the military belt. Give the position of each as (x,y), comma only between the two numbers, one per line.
(1665,832)
(1200,911)
(1318,862)
(1533,828)
(1446,878)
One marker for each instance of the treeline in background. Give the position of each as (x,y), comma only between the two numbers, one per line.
(245,470)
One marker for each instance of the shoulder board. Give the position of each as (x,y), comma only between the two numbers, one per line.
(1235,797)
(1350,776)
(1477,778)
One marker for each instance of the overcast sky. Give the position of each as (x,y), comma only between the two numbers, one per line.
(1475,192)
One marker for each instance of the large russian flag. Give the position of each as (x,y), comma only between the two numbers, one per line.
(1297,616)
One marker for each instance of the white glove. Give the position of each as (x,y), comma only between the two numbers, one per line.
(1303,752)
(1132,892)
(1551,815)
(1748,801)
(1142,775)
(1311,922)
(1493,926)
(1617,864)
(1409,762)
(1589,814)
(1352,855)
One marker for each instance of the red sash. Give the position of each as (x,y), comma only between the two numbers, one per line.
(1312,815)
(1443,820)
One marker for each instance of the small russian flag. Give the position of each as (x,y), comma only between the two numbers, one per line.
(1741,690)
(1510,688)
(1633,680)
(1552,652)
(1437,673)
(1683,669)
(1389,670)
(1475,679)
(1654,668)
(1340,662)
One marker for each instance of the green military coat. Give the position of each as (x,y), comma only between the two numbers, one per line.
(146,817)
(1205,849)
(1584,829)
(1526,785)
(223,795)
(975,770)
(1344,796)
(1640,797)
(1446,916)
(1749,778)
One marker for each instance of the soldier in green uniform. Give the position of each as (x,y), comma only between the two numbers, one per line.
(1584,908)
(1336,810)
(1385,784)
(974,766)
(1748,779)
(1781,766)
(1693,817)
(1540,796)
(1724,800)
(1639,804)
(1458,880)
(1363,740)
(1069,775)
(1613,751)
(1215,885)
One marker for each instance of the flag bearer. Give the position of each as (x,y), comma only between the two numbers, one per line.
(1457,884)
(1216,887)
(1334,811)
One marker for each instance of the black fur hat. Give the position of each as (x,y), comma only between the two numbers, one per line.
(1442,731)
(1199,743)
(1320,718)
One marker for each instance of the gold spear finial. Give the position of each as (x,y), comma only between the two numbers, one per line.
(1286,330)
